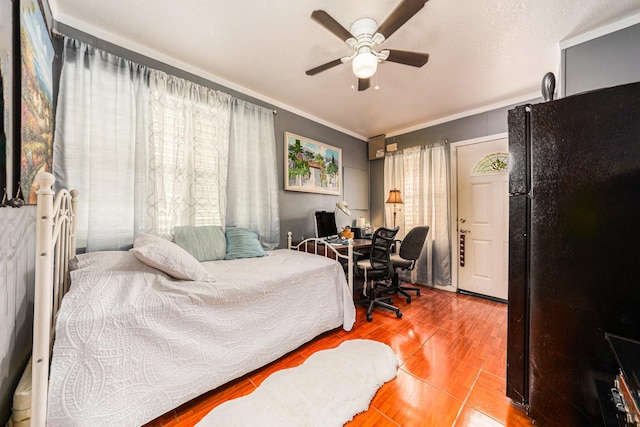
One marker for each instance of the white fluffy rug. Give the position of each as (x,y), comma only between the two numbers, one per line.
(328,389)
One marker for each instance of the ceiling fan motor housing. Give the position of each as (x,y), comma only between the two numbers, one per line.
(364,30)
(364,27)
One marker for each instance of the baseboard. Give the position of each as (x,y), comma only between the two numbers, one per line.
(473,294)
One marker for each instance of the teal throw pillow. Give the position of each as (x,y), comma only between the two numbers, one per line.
(243,243)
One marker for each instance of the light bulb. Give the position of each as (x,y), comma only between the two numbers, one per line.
(365,65)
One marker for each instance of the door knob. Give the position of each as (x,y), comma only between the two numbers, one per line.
(464,231)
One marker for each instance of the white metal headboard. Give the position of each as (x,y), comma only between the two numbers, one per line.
(56,224)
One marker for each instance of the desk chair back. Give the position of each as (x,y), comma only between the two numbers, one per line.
(405,259)
(378,270)
(412,244)
(380,253)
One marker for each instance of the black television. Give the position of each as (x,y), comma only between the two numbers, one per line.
(326,227)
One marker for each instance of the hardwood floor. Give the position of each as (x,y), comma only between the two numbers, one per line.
(452,351)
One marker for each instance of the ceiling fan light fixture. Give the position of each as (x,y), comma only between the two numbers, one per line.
(365,65)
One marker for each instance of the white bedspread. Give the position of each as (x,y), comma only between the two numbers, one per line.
(133,344)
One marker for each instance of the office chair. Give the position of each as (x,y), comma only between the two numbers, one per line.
(376,270)
(410,249)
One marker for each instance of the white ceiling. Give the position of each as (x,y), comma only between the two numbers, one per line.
(482,52)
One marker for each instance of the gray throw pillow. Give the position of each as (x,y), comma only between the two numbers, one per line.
(204,243)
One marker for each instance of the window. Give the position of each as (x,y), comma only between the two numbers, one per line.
(492,163)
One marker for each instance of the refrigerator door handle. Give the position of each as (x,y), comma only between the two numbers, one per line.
(528,194)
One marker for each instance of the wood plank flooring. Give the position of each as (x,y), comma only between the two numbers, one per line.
(452,351)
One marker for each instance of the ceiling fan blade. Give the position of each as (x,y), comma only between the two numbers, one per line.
(331,24)
(363,84)
(323,67)
(414,59)
(401,14)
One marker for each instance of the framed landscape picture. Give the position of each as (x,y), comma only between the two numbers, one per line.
(36,97)
(311,166)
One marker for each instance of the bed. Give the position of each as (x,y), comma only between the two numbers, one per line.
(132,342)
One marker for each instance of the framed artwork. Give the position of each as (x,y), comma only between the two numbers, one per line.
(311,166)
(36,97)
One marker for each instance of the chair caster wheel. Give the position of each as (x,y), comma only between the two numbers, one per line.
(418,292)
(408,300)
(369,318)
(398,315)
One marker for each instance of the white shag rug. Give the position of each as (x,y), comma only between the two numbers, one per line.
(328,389)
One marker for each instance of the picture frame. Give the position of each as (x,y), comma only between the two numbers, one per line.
(36,110)
(311,166)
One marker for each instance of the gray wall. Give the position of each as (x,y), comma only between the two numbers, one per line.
(606,61)
(6,59)
(17,270)
(296,208)
(12,359)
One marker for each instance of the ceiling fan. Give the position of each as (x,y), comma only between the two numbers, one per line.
(365,35)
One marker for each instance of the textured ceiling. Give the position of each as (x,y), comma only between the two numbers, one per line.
(482,53)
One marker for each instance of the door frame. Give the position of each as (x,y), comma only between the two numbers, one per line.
(455,255)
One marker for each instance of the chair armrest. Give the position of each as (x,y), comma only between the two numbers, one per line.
(357,255)
(395,245)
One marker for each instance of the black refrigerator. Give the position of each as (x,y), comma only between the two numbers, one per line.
(574,256)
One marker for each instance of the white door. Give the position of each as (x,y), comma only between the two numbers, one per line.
(483,218)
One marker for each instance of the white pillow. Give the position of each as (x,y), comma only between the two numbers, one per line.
(168,257)
(107,260)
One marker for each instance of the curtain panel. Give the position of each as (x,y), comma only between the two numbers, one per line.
(422,175)
(99,142)
(150,151)
(252,186)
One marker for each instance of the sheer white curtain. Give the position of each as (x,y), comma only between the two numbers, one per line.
(98,140)
(188,155)
(252,186)
(422,175)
